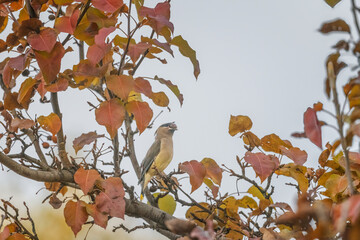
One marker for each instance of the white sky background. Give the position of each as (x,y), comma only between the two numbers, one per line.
(264,59)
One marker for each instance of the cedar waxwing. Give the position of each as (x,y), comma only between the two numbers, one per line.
(159,154)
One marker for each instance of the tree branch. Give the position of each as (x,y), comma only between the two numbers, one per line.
(60,135)
(37,175)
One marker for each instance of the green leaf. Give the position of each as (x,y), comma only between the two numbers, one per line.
(187,51)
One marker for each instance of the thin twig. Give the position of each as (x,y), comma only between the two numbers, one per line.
(340,122)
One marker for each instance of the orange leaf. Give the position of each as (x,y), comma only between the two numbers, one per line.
(110,114)
(51,123)
(143,86)
(239,124)
(318,106)
(26,91)
(85,139)
(312,127)
(50,63)
(17,236)
(75,215)
(213,170)
(112,200)
(44,41)
(142,113)
(121,85)
(100,219)
(262,164)
(96,52)
(196,171)
(298,156)
(86,179)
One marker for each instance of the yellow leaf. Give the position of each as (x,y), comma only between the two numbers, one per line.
(239,124)
(296,172)
(256,193)
(247,202)
(167,203)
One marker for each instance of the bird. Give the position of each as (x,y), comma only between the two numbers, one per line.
(159,154)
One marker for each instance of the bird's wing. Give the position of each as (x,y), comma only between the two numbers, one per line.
(149,158)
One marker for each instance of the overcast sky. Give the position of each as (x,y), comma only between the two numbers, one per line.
(260,58)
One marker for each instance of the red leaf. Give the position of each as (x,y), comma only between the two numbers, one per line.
(96,52)
(85,139)
(121,85)
(112,200)
(108,5)
(67,24)
(135,50)
(44,41)
(102,34)
(298,156)
(51,123)
(262,164)
(347,210)
(50,63)
(18,62)
(142,113)
(110,114)
(86,179)
(75,215)
(100,218)
(196,171)
(143,86)
(61,84)
(158,17)
(213,170)
(312,127)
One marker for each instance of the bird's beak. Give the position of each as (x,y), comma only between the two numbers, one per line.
(173,127)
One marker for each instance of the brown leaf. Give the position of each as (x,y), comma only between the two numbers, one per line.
(86,179)
(324,157)
(21,123)
(55,202)
(112,200)
(337,25)
(239,124)
(196,171)
(262,164)
(172,87)
(10,101)
(251,139)
(85,139)
(110,114)
(75,215)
